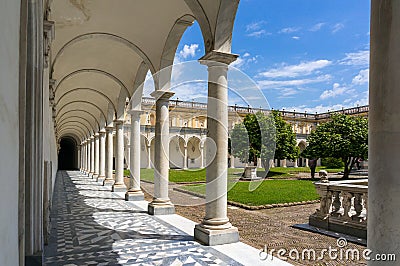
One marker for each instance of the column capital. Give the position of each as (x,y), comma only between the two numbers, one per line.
(109,128)
(102,131)
(162,94)
(118,122)
(135,112)
(218,57)
(96,135)
(91,138)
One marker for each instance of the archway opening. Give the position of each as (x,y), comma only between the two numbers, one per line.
(68,154)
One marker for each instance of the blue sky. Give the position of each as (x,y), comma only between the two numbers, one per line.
(305,55)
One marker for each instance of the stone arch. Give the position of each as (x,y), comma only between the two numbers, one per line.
(74,131)
(93,70)
(193,152)
(171,44)
(204,23)
(84,102)
(80,110)
(88,89)
(60,121)
(176,152)
(90,130)
(105,35)
(301,162)
(68,154)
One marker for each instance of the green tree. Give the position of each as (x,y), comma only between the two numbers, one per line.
(344,137)
(286,146)
(240,143)
(264,136)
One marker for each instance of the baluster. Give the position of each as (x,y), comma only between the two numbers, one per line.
(365,197)
(326,200)
(357,207)
(336,204)
(347,196)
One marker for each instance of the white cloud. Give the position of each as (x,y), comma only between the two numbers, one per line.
(255,25)
(361,78)
(188,50)
(287,92)
(360,58)
(289,30)
(255,29)
(258,34)
(273,84)
(302,69)
(335,91)
(335,107)
(296,37)
(337,27)
(317,26)
(244,60)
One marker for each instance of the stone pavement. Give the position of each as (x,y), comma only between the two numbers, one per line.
(92,226)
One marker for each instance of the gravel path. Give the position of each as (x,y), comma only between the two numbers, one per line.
(270,228)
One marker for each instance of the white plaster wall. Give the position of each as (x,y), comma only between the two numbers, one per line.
(9,130)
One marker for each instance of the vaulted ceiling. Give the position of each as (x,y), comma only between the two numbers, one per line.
(103,49)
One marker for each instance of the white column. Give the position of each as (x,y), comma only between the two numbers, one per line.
(215,228)
(202,155)
(102,156)
(109,157)
(92,155)
(295,162)
(306,162)
(134,192)
(232,162)
(88,156)
(161,203)
(185,156)
(283,163)
(148,156)
(96,156)
(119,185)
(384,131)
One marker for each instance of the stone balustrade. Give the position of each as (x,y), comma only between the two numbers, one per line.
(343,207)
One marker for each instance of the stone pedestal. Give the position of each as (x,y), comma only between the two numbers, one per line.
(215,237)
(134,196)
(250,173)
(161,208)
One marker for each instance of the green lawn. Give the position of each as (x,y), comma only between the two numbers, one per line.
(269,192)
(180,176)
(199,175)
(283,172)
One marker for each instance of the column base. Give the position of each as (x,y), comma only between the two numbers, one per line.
(118,188)
(211,237)
(134,196)
(160,209)
(108,182)
(101,179)
(95,176)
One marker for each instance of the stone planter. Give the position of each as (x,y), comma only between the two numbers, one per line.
(250,173)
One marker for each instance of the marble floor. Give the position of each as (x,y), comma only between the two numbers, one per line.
(90,225)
